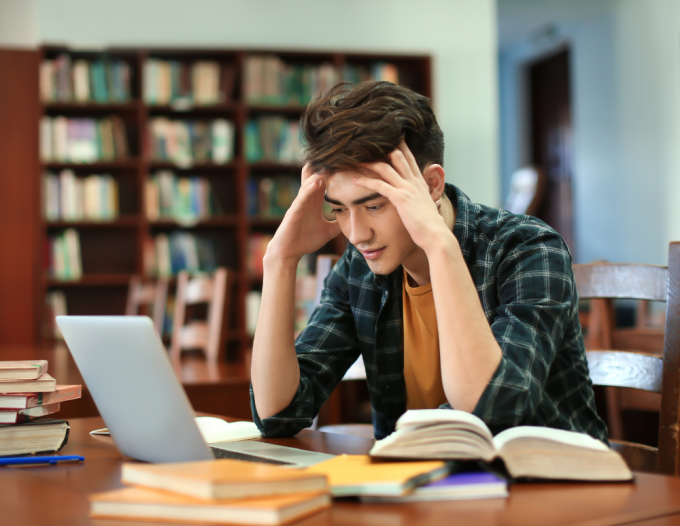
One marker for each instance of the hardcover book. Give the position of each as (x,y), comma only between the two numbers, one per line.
(43,435)
(149,504)
(24,415)
(28,400)
(223,479)
(527,451)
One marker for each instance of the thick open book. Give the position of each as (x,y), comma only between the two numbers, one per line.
(527,451)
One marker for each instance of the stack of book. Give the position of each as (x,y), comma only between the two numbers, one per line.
(185,142)
(200,83)
(377,71)
(219,491)
(71,198)
(180,251)
(101,81)
(269,80)
(272,138)
(181,198)
(271,196)
(80,140)
(28,392)
(63,252)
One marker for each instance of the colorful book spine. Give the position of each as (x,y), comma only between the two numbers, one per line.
(257,246)
(71,198)
(181,251)
(82,140)
(270,197)
(201,83)
(272,138)
(64,256)
(84,81)
(185,142)
(356,73)
(179,198)
(271,81)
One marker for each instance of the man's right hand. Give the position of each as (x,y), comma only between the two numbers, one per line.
(304,229)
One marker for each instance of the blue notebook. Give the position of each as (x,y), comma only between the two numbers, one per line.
(475,485)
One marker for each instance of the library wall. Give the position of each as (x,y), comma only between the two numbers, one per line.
(18,23)
(460,35)
(626,102)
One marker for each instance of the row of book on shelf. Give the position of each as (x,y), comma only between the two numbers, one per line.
(267,80)
(268,138)
(271,196)
(64,256)
(102,81)
(181,198)
(71,198)
(27,394)
(82,140)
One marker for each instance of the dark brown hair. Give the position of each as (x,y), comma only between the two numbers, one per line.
(365,122)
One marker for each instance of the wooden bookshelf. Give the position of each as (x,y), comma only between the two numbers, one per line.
(112,251)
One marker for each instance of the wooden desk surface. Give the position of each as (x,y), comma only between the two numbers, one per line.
(58,495)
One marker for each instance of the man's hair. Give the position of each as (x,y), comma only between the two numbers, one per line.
(365,122)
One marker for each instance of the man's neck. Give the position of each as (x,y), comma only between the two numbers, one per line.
(416,264)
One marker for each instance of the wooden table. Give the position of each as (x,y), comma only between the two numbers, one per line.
(221,388)
(58,495)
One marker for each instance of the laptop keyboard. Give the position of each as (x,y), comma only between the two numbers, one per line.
(223,453)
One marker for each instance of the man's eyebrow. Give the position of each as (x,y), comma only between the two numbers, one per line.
(356,202)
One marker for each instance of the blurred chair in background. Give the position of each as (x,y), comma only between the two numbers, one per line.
(527,190)
(656,374)
(209,335)
(148,297)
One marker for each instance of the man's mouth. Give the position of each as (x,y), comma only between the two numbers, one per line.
(373,253)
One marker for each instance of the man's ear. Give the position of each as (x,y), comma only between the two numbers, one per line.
(435,179)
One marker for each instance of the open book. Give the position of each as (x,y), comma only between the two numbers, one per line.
(527,451)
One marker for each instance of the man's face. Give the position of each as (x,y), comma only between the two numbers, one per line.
(369,221)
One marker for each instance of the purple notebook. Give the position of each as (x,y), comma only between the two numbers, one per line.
(478,485)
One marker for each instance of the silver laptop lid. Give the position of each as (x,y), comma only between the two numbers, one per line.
(128,372)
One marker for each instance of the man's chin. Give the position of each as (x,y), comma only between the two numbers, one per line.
(381,268)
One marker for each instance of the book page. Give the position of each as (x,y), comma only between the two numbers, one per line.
(562,436)
(218,430)
(422,417)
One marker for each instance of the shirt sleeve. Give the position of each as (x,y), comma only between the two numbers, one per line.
(537,300)
(325,349)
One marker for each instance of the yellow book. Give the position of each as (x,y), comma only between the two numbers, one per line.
(223,478)
(352,475)
(156,505)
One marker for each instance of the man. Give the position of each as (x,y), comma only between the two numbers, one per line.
(450,303)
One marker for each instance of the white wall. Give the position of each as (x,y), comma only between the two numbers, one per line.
(459,34)
(626,112)
(18,24)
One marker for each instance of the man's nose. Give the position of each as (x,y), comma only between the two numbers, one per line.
(359,231)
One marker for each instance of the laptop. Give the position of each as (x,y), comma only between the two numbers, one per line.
(129,374)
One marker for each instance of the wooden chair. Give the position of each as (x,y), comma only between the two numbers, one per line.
(209,335)
(640,370)
(142,295)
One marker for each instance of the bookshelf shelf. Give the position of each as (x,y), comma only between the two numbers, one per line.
(123,164)
(91,280)
(121,222)
(112,251)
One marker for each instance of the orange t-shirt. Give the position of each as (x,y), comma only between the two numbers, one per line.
(422,369)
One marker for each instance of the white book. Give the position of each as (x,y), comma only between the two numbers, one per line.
(59,263)
(92,203)
(149,72)
(253,300)
(46,139)
(163,256)
(60,151)
(51,197)
(222,141)
(68,195)
(72,242)
(47,87)
(81,80)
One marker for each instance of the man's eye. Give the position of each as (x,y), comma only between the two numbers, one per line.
(374,208)
(337,210)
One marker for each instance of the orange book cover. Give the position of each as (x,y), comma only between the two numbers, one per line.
(223,478)
(137,503)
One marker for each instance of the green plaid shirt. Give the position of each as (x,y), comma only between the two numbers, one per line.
(522,271)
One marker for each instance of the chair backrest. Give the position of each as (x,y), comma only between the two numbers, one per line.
(142,294)
(642,370)
(209,335)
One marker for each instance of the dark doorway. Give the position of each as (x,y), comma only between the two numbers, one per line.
(551,144)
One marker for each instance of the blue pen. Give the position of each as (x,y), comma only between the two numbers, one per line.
(26,461)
